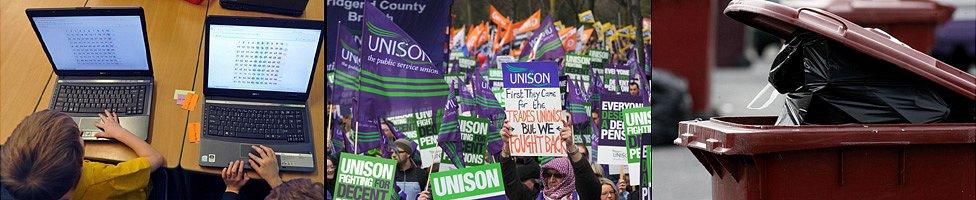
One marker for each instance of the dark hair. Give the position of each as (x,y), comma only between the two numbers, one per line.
(302,188)
(42,158)
(633,83)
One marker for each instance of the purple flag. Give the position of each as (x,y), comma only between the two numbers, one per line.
(340,143)
(643,85)
(575,101)
(488,105)
(347,66)
(367,136)
(385,141)
(449,134)
(467,101)
(544,45)
(424,20)
(596,86)
(397,75)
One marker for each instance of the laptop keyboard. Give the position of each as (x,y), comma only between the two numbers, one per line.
(123,100)
(275,124)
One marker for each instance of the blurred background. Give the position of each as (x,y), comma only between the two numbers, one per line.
(706,64)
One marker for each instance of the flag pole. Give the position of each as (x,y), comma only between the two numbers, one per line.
(356,143)
(431,170)
(328,127)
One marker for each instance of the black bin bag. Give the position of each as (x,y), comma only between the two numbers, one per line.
(828,83)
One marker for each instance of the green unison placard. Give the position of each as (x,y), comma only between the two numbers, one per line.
(474,133)
(476,182)
(637,121)
(363,177)
(647,165)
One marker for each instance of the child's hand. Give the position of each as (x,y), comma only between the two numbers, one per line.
(234,176)
(265,164)
(110,125)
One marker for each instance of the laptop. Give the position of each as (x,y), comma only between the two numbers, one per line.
(257,77)
(101,57)
(281,7)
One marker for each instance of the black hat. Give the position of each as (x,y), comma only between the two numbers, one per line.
(526,172)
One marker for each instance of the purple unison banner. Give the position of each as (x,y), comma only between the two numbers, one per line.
(347,67)
(534,108)
(545,44)
(397,75)
(425,20)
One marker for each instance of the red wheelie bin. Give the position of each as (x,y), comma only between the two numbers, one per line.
(753,158)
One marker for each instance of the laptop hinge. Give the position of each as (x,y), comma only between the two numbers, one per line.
(104,81)
(250,103)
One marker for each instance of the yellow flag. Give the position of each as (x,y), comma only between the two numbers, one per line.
(587,17)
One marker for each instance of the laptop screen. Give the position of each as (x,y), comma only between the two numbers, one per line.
(261,58)
(94,42)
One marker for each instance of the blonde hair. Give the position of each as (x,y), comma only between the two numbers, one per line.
(597,170)
(42,158)
(605,181)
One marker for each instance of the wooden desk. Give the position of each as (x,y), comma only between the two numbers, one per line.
(175,29)
(316,101)
(24,68)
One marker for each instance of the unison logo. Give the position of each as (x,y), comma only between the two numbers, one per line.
(386,43)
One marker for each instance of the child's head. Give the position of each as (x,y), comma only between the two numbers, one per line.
(42,158)
(302,188)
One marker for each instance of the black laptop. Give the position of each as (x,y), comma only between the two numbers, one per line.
(257,76)
(281,7)
(101,57)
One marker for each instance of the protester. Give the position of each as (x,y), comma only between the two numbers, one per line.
(330,176)
(623,186)
(409,177)
(583,151)
(564,178)
(390,134)
(597,170)
(607,190)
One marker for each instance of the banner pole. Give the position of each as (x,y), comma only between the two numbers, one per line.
(328,127)
(431,170)
(356,143)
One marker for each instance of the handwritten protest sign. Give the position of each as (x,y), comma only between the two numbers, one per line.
(533,108)
(363,177)
(478,182)
(611,146)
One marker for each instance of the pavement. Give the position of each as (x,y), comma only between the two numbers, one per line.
(676,172)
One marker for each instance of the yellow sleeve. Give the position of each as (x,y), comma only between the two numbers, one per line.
(126,180)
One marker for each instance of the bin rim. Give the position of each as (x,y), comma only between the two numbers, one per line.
(883,12)
(782,21)
(725,136)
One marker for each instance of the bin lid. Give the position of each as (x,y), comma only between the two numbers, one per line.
(782,21)
(882,11)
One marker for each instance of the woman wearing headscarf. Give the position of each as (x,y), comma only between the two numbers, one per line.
(563,178)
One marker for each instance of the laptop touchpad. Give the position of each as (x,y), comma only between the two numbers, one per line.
(88,123)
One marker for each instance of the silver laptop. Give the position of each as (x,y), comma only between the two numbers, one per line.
(101,57)
(257,77)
